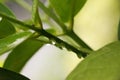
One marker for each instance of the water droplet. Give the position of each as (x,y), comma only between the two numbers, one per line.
(53,42)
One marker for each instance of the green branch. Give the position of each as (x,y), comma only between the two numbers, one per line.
(58,42)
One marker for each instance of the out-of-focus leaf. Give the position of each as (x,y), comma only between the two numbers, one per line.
(10,75)
(11,41)
(103,64)
(6,28)
(6,10)
(21,54)
(67,9)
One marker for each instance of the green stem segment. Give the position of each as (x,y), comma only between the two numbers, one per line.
(80,52)
(78,40)
(52,15)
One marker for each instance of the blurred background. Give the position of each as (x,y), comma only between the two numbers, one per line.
(22,12)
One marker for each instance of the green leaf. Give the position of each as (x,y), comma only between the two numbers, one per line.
(12,41)
(103,64)
(6,28)
(35,14)
(21,54)
(10,75)
(4,9)
(66,9)
(78,4)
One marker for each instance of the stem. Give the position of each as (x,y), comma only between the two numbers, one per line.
(80,52)
(53,16)
(78,40)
